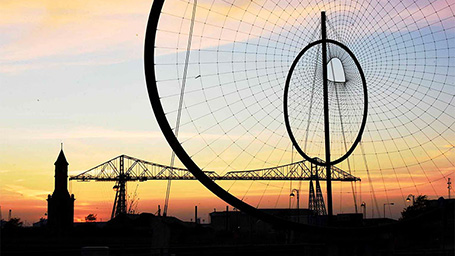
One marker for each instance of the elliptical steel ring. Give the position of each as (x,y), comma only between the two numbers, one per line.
(286,113)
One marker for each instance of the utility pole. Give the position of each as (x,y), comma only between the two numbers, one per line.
(195,215)
(227,217)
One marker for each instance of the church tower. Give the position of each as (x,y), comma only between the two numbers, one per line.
(60,205)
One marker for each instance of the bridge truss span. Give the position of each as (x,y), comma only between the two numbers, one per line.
(124,168)
(134,169)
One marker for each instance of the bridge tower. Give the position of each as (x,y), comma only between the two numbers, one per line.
(120,188)
(316,200)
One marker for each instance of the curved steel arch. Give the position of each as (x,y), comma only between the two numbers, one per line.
(149,68)
(315,232)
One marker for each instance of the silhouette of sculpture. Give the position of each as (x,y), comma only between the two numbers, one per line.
(60,207)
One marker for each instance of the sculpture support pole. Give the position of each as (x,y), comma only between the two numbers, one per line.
(326,117)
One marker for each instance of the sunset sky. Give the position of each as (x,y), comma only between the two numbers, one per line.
(72,72)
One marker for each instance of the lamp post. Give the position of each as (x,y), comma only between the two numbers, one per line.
(298,197)
(298,202)
(408,199)
(364,206)
(385,205)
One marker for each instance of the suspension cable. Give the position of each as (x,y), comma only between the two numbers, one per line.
(179,113)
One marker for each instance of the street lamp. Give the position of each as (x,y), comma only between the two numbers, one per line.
(298,202)
(364,205)
(385,205)
(408,199)
(298,197)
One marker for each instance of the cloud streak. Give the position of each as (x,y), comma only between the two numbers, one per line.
(34,30)
(27,192)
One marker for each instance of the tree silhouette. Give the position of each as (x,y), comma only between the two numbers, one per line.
(90,218)
(415,209)
(13,223)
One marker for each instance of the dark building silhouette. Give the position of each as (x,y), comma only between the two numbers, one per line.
(60,206)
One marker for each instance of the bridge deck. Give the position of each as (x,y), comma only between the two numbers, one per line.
(132,169)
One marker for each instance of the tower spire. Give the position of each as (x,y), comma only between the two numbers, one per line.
(61,203)
(61,160)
